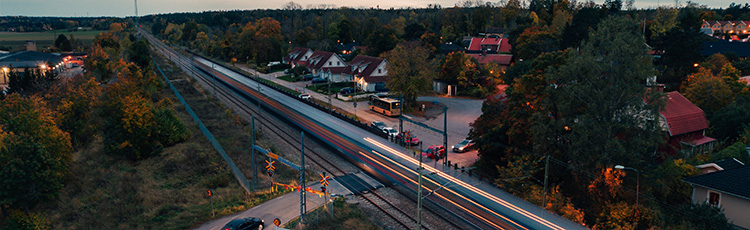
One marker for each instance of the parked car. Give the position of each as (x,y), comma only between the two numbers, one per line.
(413,140)
(307,77)
(379,124)
(390,131)
(244,224)
(347,91)
(319,80)
(305,96)
(435,152)
(463,146)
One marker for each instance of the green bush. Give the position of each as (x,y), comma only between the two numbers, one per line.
(171,130)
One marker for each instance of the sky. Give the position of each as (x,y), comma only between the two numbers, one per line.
(126,8)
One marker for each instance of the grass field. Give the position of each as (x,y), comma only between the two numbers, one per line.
(43,39)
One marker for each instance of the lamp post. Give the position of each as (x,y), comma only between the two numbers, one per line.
(637,186)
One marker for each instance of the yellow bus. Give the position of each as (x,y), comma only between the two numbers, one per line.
(386,106)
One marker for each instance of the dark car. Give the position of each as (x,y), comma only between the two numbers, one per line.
(307,77)
(244,224)
(347,91)
(379,124)
(319,80)
(435,152)
(462,146)
(412,139)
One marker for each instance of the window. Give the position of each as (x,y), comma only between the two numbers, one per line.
(714,198)
(329,63)
(378,70)
(338,63)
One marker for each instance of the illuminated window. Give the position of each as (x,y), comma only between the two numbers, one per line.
(714,198)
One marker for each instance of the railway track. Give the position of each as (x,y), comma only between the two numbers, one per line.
(292,139)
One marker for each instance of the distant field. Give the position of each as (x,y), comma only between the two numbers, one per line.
(43,39)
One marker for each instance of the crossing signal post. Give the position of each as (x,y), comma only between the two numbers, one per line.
(269,170)
(324,183)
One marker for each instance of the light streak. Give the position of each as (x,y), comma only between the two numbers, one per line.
(468,186)
(445,198)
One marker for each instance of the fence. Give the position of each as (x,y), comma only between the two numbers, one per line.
(232,167)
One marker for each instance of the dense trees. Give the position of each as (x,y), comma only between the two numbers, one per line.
(34,152)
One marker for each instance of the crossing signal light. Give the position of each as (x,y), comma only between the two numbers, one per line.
(323,188)
(210,193)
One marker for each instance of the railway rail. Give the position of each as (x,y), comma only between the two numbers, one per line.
(373,197)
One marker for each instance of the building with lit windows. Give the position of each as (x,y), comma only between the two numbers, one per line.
(19,61)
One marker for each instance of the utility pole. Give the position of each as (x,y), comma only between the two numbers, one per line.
(329,96)
(259,111)
(302,200)
(445,134)
(252,133)
(419,190)
(136,14)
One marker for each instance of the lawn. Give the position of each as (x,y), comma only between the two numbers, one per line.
(43,39)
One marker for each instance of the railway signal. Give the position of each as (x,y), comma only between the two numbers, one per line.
(270,168)
(324,179)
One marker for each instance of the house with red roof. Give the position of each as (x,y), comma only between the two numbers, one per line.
(685,125)
(326,65)
(297,56)
(490,49)
(492,45)
(503,60)
(370,73)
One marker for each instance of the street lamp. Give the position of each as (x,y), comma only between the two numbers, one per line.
(637,186)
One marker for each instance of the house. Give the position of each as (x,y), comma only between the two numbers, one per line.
(297,56)
(493,48)
(685,125)
(725,164)
(727,188)
(503,60)
(325,64)
(728,27)
(19,61)
(369,73)
(490,45)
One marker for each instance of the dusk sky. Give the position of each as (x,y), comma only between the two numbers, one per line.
(123,8)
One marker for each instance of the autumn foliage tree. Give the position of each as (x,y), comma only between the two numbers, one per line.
(133,126)
(410,72)
(74,101)
(34,153)
(707,91)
